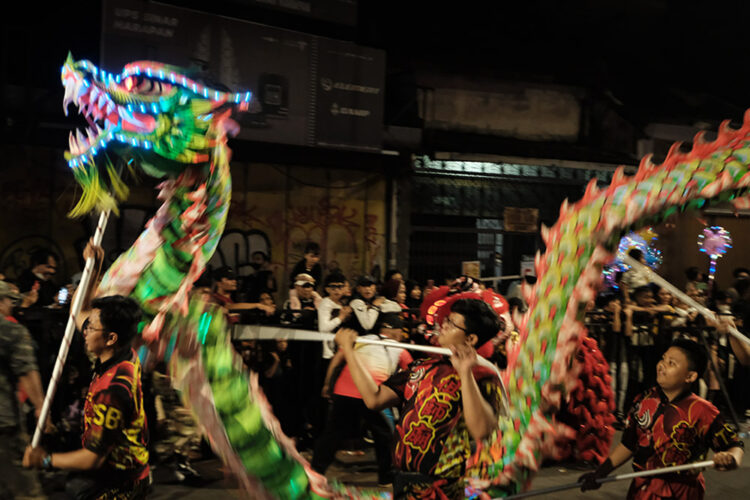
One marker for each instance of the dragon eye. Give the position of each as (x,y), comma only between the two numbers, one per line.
(142,85)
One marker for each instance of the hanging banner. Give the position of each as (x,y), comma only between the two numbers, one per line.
(520,220)
(287,71)
(349,95)
(471,268)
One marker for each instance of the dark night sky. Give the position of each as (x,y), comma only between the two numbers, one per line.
(642,52)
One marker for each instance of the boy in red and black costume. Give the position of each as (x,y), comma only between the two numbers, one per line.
(668,425)
(114,458)
(443,403)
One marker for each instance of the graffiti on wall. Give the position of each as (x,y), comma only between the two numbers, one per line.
(350,240)
(236,248)
(342,210)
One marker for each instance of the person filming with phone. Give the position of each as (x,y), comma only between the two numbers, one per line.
(39,277)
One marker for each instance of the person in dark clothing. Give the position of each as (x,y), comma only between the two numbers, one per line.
(413,294)
(38,277)
(17,367)
(262,280)
(225,285)
(310,264)
(278,379)
(393,274)
(43,315)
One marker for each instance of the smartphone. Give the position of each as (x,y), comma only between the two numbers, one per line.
(62,296)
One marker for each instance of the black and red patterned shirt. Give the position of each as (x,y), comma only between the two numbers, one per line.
(432,435)
(114,418)
(663,433)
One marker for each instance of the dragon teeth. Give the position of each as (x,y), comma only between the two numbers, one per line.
(102,101)
(69,91)
(81,139)
(72,144)
(77,94)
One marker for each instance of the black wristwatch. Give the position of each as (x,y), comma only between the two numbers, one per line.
(47,462)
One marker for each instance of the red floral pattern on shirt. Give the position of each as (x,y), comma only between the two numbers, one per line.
(432,434)
(663,433)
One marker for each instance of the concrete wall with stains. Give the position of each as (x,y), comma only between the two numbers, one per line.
(284,207)
(275,208)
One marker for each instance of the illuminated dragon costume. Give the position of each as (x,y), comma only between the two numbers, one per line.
(155,118)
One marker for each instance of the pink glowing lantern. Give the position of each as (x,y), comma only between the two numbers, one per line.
(714,241)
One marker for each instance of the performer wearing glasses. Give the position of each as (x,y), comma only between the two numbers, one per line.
(443,402)
(113,461)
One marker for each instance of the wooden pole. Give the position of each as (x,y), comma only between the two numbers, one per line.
(70,329)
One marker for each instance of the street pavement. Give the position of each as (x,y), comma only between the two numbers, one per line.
(360,471)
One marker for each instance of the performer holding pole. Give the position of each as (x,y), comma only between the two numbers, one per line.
(668,425)
(441,400)
(70,329)
(114,438)
(258,332)
(609,479)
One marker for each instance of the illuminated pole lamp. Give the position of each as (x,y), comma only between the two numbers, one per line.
(644,240)
(714,241)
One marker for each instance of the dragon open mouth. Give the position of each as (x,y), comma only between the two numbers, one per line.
(100,112)
(104,116)
(146,107)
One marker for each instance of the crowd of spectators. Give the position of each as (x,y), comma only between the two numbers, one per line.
(636,321)
(307,383)
(304,380)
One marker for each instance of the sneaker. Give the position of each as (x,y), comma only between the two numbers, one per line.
(385,480)
(354,453)
(184,473)
(367,438)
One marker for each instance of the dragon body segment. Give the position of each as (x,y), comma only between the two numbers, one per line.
(541,368)
(156,118)
(174,128)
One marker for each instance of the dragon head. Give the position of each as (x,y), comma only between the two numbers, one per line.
(151,114)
